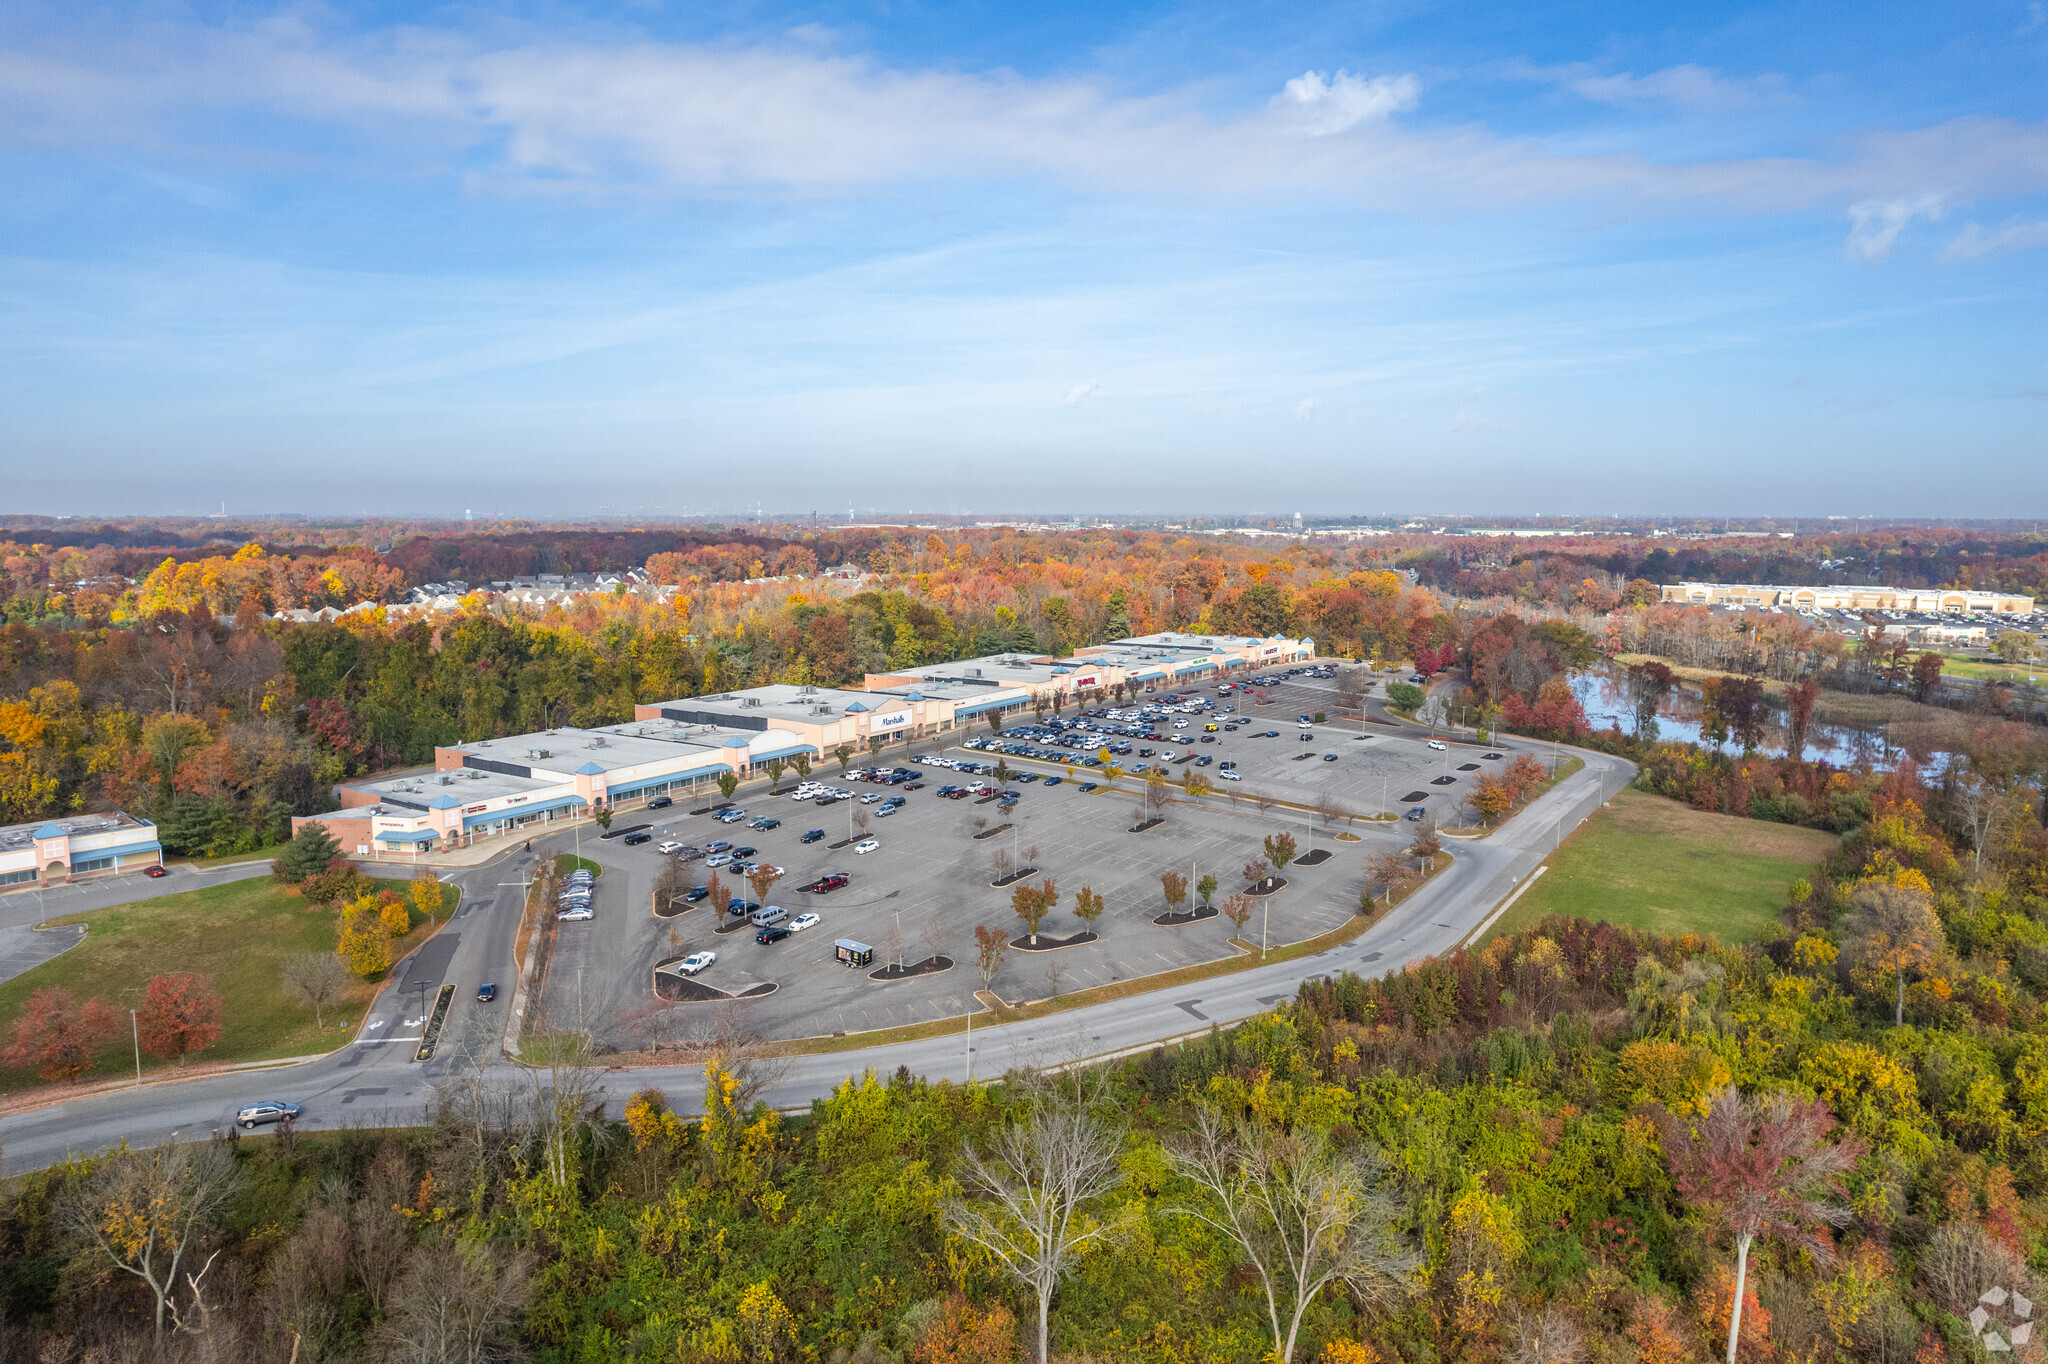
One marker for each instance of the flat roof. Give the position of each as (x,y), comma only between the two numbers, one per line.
(990,670)
(413,794)
(778,702)
(609,748)
(14,837)
(1176,639)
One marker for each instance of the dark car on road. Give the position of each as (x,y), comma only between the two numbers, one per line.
(811,836)
(635,840)
(772,933)
(660,803)
(486,992)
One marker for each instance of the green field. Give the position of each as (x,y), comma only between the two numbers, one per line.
(239,934)
(1989,669)
(1654,864)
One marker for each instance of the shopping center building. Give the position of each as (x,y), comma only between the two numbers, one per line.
(517,786)
(56,852)
(1936,599)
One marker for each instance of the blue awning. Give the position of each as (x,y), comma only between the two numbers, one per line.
(639,784)
(1148,674)
(790,752)
(521,811)
(400,836)
(979,706)
(125,850)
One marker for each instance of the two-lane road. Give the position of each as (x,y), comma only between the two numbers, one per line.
(375,1082)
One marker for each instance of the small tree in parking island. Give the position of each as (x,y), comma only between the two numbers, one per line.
(719,894)
(802,763)
(1174,887)
(1255,870)
(1238,909)
(728,782)
(1033,903)
(57,1036)
(1280,850)
(763,879)
(1206,887)
(307,854)
(776,767)
(990,946)
(844,753)
(1088,906)
(180,1014)
(603,816)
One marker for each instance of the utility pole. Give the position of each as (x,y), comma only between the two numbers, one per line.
(1265,922)
(135,1031)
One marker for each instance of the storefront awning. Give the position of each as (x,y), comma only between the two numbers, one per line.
(979,706)
(405,836)
(809,750)
(521,811)
(639,784)
(125,850)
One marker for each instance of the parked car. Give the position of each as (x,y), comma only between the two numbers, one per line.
(830,881)
(802,922)
(486,992)
(660,803)
(1054,781)
(765,822)
(634,840)
(155,871)
(1439,745)
(696,894)
(768,914)
(696,962)
(717,860)
(772,933)
(812,836)
(671,846)
(269,1110)
(1329,757)
(867,845)
(577,915)
(1087,786)
(1226,774)
(1415,812)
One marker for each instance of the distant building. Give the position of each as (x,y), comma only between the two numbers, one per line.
(1940,599)
(56,852)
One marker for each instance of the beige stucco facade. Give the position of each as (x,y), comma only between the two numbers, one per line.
(1849,598)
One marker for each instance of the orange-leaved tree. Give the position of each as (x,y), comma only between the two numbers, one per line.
(180,1014)
(58,1036)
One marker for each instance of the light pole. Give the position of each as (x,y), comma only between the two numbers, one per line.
(1265,922)
(135,1031)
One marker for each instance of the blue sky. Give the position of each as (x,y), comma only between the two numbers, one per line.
(556,260)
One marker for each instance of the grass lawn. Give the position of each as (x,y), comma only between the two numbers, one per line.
(1657,865)
(239,934)
(1988,669)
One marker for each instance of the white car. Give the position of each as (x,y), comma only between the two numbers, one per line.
(1228,776)
(669,847)
(1180,724)
(802,922)
(696,962)
(1439,745)
(887,810)
(718,860)
(867,845)
(576,915)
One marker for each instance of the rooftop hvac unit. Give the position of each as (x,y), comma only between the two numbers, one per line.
(447,780)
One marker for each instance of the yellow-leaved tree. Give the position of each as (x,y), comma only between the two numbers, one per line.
(363,944)
(427,895)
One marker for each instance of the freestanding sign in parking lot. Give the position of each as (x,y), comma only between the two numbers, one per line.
(851,953)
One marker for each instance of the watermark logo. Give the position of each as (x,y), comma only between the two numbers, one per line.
(2002,1320)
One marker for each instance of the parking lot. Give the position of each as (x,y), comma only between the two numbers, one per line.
(926,886)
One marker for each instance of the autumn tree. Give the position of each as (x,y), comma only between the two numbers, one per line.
(991,945)
(1196,785)
(1174,887)
(1237,909)
(762,879)
(1029,1194)
(1156,797)
(1767,1169)
(718,894)
(393,916)
(361,942)
(314,979)
(1088,906)
(1800,698)
(180,1014)
(1389,869)
(1491,797)
(1280,850)
(1926,675)
(145,1211)
(1255,870)
(1892,931)
(58,1036)
(427,894)
(1304,1214)
(1033,903)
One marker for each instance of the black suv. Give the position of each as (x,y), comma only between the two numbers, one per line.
(634,840)
(812,836)
(772,933)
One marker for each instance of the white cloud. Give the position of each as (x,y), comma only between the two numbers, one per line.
(1319,107)
(1688,86)
(1076,392)
(1973,241)
(1305,410)
(667,118)
(1875,224)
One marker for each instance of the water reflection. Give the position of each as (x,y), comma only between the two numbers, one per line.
(1603,692)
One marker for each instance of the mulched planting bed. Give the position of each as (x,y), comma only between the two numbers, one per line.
(1193,916)
(1443,781)
(1267,886)
(930,966)
(675,910)
(677,989)
(1051,944)
(1491,757)
(1014,877)
(1468,767)
(1414,796)
(1314,857)
(991,833)
(1148,824)
(734,926)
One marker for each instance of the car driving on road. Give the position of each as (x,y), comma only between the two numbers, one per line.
(249,1116)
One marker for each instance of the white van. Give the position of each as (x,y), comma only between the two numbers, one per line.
(766,915)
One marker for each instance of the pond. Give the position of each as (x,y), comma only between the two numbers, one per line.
(1604,694)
